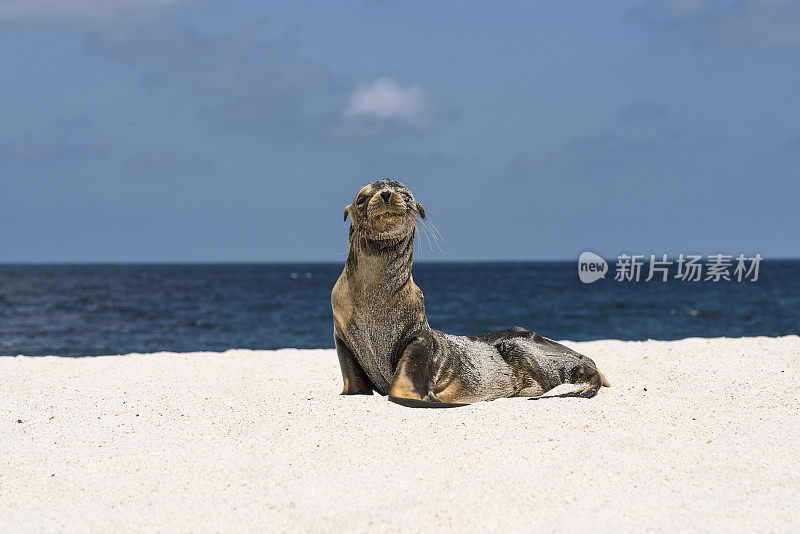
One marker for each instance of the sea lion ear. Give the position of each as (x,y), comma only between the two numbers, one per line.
(420,210)
(347,211)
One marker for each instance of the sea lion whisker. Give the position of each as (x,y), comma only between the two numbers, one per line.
(436,240)
(433,234)
(436,229)
(429,222)
(425,233)
(416,244)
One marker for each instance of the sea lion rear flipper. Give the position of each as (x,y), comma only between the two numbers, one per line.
(355,379)
(603,380)
(551,364)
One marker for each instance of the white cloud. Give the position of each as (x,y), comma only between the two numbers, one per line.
(91,11)
(385,101)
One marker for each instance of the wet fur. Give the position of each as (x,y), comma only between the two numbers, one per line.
(383,339)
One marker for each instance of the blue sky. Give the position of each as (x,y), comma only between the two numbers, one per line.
(172,130)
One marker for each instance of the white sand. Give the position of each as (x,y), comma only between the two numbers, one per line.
(260,440)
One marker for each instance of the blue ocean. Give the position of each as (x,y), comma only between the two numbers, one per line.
(84,310)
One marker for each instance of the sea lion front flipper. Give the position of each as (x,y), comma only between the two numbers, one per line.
(355,379)
(412,380)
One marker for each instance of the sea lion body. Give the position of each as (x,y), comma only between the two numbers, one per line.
(383,339)
(359,306)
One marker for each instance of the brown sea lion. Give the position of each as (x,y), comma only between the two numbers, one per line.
(385,344)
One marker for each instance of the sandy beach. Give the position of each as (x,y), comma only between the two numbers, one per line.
(698,434)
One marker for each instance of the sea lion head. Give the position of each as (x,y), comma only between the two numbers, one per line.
(383,211)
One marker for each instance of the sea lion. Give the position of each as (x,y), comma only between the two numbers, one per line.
(385,344)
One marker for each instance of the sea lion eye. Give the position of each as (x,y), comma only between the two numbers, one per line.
(361,200)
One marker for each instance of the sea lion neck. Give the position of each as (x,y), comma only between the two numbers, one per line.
(384,266)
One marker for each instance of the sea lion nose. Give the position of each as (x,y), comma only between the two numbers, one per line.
(386,195)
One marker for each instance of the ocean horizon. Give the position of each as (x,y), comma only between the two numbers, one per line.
(89,309)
